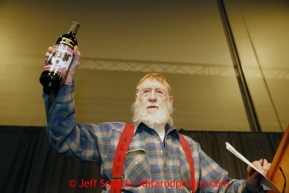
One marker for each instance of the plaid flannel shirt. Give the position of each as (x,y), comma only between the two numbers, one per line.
(150,165)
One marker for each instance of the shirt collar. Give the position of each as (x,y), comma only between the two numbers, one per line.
(170,130)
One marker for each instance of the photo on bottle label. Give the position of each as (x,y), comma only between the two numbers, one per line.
(59,60)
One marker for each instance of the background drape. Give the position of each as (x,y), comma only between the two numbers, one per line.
(30,165)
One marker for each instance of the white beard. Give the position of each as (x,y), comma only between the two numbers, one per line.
(152,119)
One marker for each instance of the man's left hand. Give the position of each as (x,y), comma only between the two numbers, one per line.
(253,181)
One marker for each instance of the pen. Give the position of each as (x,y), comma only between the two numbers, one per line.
(262,154)
(262,163)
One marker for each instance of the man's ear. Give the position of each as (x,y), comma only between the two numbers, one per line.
(171,99)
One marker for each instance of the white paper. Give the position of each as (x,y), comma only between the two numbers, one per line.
(266,183)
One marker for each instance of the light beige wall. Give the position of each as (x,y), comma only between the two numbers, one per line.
(120,41)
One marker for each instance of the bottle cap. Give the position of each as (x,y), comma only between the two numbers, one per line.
(74,27)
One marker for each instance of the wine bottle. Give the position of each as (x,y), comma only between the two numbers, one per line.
(59,60)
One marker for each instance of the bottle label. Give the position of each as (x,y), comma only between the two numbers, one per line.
(59,60)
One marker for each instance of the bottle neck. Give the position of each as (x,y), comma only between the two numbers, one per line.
(74,28)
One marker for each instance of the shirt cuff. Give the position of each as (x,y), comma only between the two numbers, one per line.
(65,94)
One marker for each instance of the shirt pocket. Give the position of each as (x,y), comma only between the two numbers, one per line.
(136,167)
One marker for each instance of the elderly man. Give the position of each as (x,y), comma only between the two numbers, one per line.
(155,160)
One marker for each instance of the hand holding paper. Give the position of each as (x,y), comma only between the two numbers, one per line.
(266,183)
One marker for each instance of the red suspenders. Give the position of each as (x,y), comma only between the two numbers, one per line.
(118,162)
(188,153)
(122,147)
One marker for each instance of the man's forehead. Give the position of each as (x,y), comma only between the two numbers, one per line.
(151,83)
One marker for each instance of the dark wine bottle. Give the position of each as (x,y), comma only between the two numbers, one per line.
(59,60)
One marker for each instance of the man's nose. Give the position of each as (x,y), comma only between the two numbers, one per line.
(152,96)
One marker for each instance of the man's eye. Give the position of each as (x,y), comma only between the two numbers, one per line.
(159,92)
(146,91)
